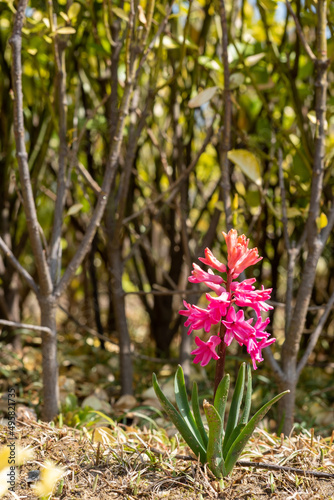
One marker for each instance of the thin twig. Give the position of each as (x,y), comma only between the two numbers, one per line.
(225,187)
(300,33)
(173,187)
(245,463)
(22,158)
(26,326)
(315,335)
(15,263)
(302,472)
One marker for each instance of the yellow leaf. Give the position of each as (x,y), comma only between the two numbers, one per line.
(17,454)
(322,221)
(248,163)
(103,435)
(49,477)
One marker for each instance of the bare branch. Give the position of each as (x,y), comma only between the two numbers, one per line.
(88,178)
(315,244)
(15,263)
(60,85)
(315,335)
(225,187)
(300,33)
(21,153)
(26,326)
(112,164)
(173,187)
(269,357)
(155,38)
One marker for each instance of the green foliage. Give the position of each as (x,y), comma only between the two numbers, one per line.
(222,448)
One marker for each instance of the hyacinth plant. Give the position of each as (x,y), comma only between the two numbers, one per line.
(222,445)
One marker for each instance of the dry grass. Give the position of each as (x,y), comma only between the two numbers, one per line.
(146,464)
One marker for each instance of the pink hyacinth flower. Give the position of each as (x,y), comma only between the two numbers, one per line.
(211,260)
(254,349)
(239,256)
(206,350)
(199,318)
(237,327)
(200,276)
(249,297)
(220,303)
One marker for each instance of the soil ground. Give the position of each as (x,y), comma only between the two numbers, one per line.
(129,463)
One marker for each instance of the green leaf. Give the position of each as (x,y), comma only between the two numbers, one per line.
(214,450)
(181,399)
(248,163)
(254,59)
(233,416)
(74,209)
(197,415)
(248,398)
(74,10)
(221,397)
(233,436)
(169,43)
(210,63)
(120,13)
(239,444)
(179,422)
(236,79)
(202,97)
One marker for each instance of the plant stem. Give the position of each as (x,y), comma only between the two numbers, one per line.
(220,366)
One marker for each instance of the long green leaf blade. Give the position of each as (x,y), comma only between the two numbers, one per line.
(241,441)
(248,398)
(181,398)
(233,416)
(221,397)
(179,422)
(235,433)
(197,415)
(214,450)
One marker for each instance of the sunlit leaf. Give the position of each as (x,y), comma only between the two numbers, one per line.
(120,13)
(74,10)
(293,212)
(66,30)
(169,43)
(236,79)
(202,97)
(141,15)
(254,59)
(74,209)
(209,63)
(248,163)
(322,221)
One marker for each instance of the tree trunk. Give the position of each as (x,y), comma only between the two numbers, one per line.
(10,307)
(286,406)
(49,355)
(116,270)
